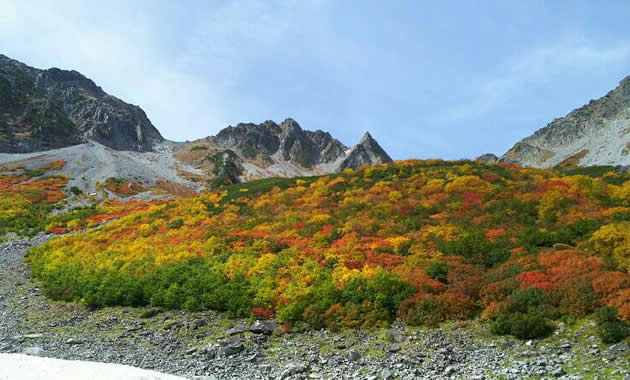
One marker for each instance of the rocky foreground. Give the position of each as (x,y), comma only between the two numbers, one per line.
(211,346)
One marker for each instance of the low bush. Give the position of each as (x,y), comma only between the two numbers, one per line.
(522,325)
(609,328)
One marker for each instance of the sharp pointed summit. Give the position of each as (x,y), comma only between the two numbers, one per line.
(367,152)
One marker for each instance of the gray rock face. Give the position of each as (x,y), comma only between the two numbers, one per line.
(54,108)
(367,152)
(251,138)
(330,148)
(287,141)
(295,145)
(596,134)
(488,158)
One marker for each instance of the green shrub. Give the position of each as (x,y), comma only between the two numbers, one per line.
(522,325)
(476,248)
(175,223)
(438,270)
(422,312)
(613,332)
(609,328)
(529,300)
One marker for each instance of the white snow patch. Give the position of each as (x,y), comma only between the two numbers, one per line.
(25,367)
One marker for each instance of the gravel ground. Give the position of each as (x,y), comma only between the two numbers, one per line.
(211,346)
(91,163)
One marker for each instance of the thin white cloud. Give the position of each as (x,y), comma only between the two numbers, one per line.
(188,91)
(534,66)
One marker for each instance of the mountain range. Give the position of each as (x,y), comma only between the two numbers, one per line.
(53,114)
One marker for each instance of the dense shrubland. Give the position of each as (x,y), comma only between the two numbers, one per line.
(27,196)
(423,241)
(30,200)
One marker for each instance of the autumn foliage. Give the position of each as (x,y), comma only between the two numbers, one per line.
(424,241)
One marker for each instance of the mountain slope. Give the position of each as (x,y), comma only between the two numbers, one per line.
(54,114)
(54,108)
(595,134)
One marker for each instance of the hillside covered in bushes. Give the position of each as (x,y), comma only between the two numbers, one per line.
(423,241)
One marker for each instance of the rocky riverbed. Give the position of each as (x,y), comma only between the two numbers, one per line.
(212,346)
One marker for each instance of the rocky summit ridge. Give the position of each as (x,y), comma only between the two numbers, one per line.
(55,114)
(250,151)
(54,108)
(597,133)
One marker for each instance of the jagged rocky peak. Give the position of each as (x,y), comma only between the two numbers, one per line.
(296,146)
(286,142)
(54,108)
(250,138)
(596,134)
(367,152)
(54,77)
(331,149)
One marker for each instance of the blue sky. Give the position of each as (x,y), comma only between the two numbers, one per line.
(427,79)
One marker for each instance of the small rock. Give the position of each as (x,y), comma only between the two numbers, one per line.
(353,356)
(28,336)
(232,340)
(236,330)
(210,351)
(198,323)
(233,348)
(34,351)
(448,371)
(294,369)
(73,341)
(387,374)
(263,327)
(259,339)
(558,372)
(394,348)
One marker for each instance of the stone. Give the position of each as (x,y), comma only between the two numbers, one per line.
(386,374)
(263,327)
(236,330)
(210,351)
(293,369)
(28,336)
(233,348)
(34,351)
(394,348)
(558,372)
(448,371)
(73,341)
(353,356)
